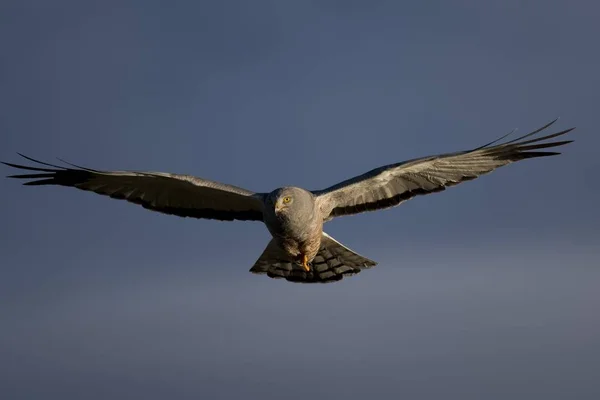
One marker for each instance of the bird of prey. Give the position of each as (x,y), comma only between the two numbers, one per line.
(299,250)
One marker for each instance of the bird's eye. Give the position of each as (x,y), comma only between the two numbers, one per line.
(287,199)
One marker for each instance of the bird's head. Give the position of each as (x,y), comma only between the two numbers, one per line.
(290,200)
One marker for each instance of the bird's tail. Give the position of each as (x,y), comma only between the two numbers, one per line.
(332,263)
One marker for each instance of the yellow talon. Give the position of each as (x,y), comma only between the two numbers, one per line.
(305,263)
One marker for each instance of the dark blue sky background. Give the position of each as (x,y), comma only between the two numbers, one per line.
(486,291)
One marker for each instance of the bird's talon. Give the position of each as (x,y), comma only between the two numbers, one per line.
(305,263)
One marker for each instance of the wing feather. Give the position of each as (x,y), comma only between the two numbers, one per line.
(390,185)
(181,195)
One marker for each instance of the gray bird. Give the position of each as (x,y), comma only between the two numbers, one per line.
(299,250)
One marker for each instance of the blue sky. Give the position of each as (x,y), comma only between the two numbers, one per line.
(487,290)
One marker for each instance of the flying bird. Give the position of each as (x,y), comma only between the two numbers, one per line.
(299,250)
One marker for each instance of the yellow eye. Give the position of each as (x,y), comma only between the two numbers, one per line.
(287,199)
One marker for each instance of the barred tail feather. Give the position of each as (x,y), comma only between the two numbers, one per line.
(332,263)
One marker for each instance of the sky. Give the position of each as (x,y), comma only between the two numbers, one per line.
(487,290)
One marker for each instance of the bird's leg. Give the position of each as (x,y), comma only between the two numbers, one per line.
(305,263)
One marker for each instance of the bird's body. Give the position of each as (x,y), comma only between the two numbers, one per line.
(296,227)
(299,251)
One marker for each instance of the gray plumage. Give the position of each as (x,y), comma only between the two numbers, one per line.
(299,250)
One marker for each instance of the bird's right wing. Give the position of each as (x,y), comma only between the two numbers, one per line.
(181,195)
(390,185)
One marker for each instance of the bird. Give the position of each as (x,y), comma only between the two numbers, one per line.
(299,250)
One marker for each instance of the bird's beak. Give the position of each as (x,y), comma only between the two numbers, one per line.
(278,207)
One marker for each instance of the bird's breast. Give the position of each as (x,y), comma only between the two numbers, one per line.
(302,242)
(297,234)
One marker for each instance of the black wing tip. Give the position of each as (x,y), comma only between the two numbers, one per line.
(77,166)
(564,131)
(536,154)
(523,147)
(43,176)
(34,161)
(58,167)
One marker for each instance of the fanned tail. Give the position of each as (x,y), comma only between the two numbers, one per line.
(332,263)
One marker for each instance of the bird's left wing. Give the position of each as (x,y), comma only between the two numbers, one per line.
(390,185)
(181,195)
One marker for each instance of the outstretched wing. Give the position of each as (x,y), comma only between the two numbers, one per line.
(390,185)
(181,195)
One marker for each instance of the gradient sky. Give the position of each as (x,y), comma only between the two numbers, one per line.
(486,291)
